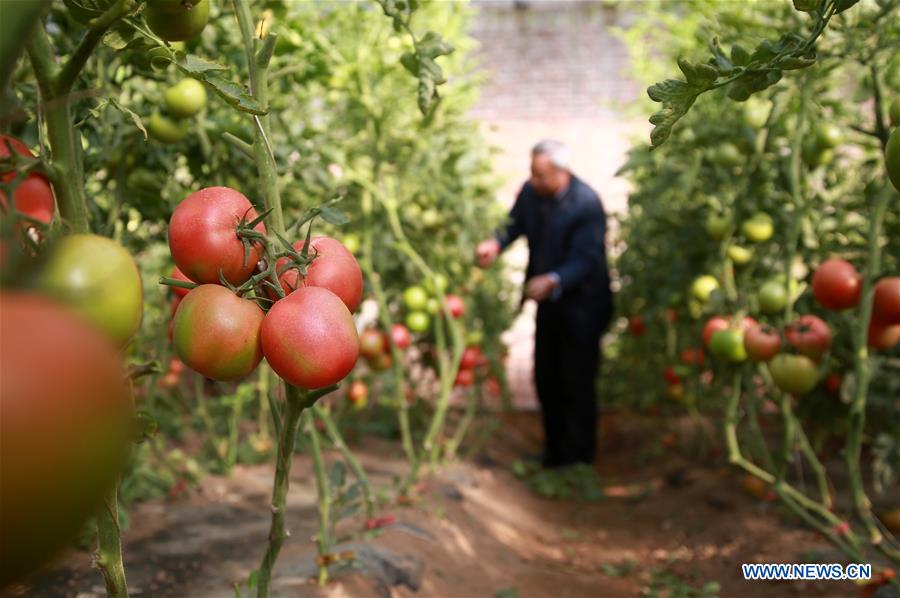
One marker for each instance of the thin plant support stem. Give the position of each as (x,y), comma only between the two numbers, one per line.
(323,537)
(334,434)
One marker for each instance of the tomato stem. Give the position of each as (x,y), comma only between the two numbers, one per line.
(334,434)
(108,556)
(323,537)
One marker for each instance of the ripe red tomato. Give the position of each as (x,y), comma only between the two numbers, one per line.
(837,285)
(371,343)
(492,385)
(713,325)
(33,197)
(456,306)
(400,336)
(334,268)
(883,336)
(203,238)
(637,326)
(470,358)
(762,342)
(179,275)
(670,376)
(358,391)
(833,384)
(309,338)
(464,378)
(810,335)
(886,303)
(65,423)
(692,356)
(793,374)
(217,333)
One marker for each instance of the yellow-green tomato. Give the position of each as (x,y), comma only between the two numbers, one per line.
(166,130)
(186,98)
(793,374)
(895,112)
(418,321)
(758,228)
(98,279)
(740,255)
(703,287)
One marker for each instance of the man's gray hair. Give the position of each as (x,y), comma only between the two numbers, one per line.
(559,153)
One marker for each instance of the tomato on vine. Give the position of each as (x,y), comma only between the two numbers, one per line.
(793,374)
(758,228)
(33,197)
(99,279)
(217,333)
(309,338)
(177,20)
(809,335)
(886,301)
(418,321)
(837,285)
(203,236)
(66,423)
(762,342)
(333,268)
(186,98)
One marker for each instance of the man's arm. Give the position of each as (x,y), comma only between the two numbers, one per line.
(586,248)
(488,250)
(514,227)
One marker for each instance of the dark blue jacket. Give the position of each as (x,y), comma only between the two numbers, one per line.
(573,245)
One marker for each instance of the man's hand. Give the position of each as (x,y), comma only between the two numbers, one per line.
(486,252)
(540,287)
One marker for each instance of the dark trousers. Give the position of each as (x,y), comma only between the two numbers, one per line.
(565,374)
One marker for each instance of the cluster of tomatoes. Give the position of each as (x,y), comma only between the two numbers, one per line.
(307,336)
(63,382)
(421,305)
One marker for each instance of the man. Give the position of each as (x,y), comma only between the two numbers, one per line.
(564,222)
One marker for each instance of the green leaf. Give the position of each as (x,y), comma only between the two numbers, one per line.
(410,62)
(333,216)
(194,65)
(842,5)
(720,60)
(433,45)
(135,118)
(806,5)
(739,56)
(337,475)
(697,74)
(429,68)
(233,93)
(676,97)
(119,38)
(426,94)
(84,11)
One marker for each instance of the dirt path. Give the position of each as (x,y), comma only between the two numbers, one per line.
(476,530)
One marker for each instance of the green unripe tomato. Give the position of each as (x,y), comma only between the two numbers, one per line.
(175,20)
(166,130)
(438,284)
(773,297)
(417,321)
(415,298)
(894,112)
(98,279)
(793,374)
(186,98)
(756,112)
(728,345)
(718,225)
(829,136)
(740,255)
(703,287)
(727,155)
(758,228)
(892,158)
(474,338)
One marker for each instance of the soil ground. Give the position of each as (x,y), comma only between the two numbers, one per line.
(476,529)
